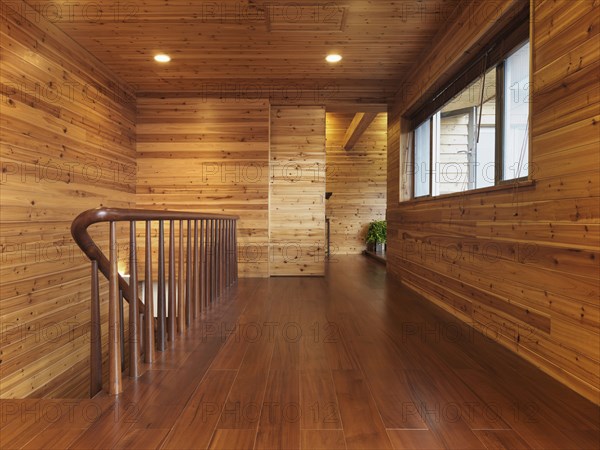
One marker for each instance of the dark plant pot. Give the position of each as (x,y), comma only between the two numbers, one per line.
(370,246)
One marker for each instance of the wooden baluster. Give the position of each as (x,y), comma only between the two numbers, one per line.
(172,284)
(95,336)
(202,281)
(149,299)
(115,384)
(205,266)
(196,270)
(209,274)
(235,252)
(229,252)
(224,256)
(220,255)
(232,252)
(181,290)
(207,263)
(122,329)
(213,261)
(161,304)
(202,265)
(226,253)
(188,275)
(134,339)
(218,258)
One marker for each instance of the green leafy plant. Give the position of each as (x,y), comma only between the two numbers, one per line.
(377,232)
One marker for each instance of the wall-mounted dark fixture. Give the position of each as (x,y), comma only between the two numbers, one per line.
(327,195)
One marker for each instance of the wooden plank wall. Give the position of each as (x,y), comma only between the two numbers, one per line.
(67,145)
(297,191)
(519,264)
(209,156)
(357,179)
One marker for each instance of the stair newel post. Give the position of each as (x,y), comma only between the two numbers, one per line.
(134,313)
(148,299)
(115,385)
(95,335)
(161,288)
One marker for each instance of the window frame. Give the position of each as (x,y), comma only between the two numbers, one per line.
(492,56)
(500,110)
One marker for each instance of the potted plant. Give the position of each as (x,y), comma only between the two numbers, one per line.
(376,236)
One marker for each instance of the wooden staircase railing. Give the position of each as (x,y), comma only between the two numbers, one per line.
(206,265)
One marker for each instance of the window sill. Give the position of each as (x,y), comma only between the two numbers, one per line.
(506,186)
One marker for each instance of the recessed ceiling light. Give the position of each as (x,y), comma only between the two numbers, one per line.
(162,58)
(333,58)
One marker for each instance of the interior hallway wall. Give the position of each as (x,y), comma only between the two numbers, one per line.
(67,145)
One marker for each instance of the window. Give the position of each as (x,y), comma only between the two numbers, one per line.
(422,158)
(516,114)
(479,136)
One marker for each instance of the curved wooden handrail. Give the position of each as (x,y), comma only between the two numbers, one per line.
(92,216)
(125,215)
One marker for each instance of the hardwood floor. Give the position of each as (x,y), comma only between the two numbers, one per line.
(349,361)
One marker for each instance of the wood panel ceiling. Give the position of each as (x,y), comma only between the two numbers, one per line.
(255,48)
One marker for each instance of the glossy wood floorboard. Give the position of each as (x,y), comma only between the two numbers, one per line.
(349,361)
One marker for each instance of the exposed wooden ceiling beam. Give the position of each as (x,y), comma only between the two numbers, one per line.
(350,107)
(359,125)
